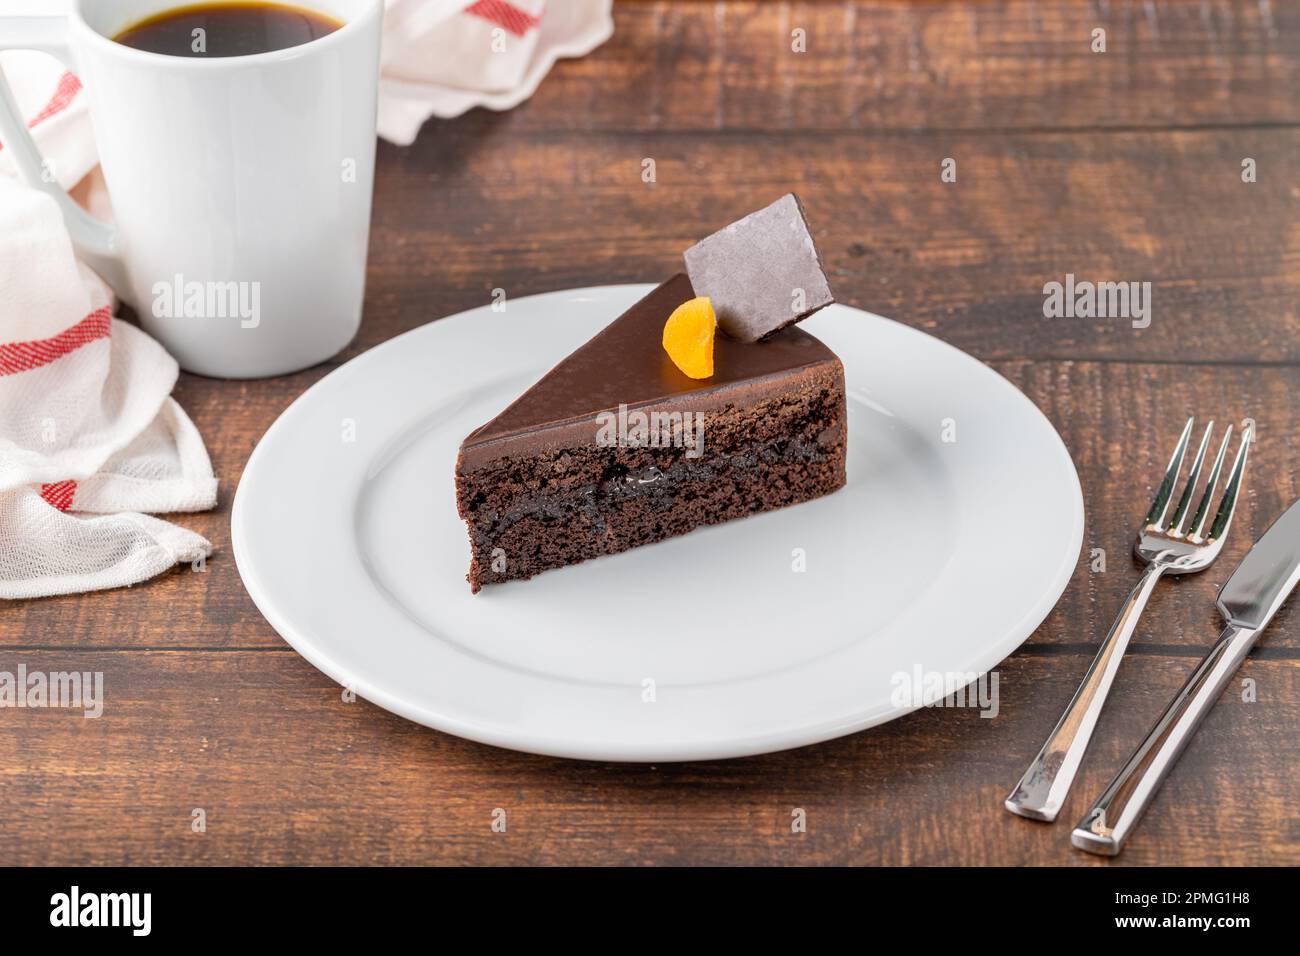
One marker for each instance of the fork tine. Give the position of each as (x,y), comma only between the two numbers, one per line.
(1156,516)
(1203,509)
(1229,502)
(1194,479)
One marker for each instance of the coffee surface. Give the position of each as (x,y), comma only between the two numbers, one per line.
(227,29)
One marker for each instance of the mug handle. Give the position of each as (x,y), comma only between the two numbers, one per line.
(94,239)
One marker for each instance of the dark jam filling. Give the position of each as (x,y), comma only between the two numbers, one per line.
(662,487)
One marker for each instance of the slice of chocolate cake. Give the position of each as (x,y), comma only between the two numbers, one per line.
(617,447)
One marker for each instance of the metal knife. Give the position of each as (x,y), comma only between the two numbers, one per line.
(1247,602)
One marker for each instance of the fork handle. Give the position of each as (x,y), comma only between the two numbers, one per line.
(1108,824)
(1042,789)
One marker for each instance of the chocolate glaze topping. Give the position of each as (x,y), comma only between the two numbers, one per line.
(626,364)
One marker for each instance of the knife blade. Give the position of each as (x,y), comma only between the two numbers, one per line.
(1248,601)
(1266,575)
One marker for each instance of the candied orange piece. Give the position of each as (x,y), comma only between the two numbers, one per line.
(688,337)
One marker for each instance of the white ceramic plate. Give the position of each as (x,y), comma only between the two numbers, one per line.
(939,556)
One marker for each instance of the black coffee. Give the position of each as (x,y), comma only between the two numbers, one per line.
(227,29)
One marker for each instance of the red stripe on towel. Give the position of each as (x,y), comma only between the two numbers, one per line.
(67,90)
(505,14)
(59,494)
(22,356)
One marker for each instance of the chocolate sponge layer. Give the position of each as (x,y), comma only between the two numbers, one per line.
(564,500)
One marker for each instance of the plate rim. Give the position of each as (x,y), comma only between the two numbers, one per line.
(521,739)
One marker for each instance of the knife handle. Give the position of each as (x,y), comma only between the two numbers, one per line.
(1106,827)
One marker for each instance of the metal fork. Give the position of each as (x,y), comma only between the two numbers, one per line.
(1172,546)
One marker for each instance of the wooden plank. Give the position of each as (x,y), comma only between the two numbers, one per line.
(286,772)
(460,214)
(1004,64)
(1118,420)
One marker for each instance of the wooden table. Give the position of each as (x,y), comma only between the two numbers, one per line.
(1122,165)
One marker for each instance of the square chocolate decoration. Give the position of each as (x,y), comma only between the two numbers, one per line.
(762,273)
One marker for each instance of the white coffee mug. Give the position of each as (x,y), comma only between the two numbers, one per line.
(240,186)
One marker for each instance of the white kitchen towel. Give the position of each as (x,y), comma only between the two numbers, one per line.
(90,438)
(443,57)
